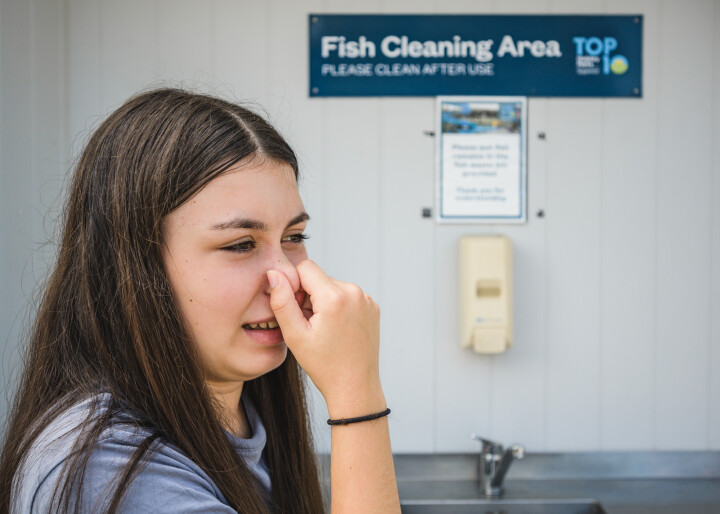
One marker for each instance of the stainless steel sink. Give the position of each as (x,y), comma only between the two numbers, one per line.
(481,506)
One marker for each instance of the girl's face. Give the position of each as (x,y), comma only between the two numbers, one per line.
(218,246)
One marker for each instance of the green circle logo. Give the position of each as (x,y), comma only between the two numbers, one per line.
(618,65)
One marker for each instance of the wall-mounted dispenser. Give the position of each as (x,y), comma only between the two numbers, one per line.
(485,272)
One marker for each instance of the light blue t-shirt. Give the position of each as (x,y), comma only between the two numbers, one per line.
(169,483)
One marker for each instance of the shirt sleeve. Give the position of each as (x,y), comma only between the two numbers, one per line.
(169,483)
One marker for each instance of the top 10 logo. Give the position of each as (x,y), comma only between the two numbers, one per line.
(592,56)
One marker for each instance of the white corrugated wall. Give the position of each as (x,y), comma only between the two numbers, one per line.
(617,288)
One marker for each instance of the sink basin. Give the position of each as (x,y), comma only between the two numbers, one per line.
(478,506)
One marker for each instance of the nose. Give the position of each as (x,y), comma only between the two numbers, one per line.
(279,261)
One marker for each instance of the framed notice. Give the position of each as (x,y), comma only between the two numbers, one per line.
(481,159)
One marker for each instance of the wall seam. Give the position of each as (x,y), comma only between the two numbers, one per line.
(656,356)
(380,116)
(212,25)
(35,226)
(433,264)
(104,105)
(434,319)
(2,174)
(267,14)
(713,268)
(601,263)
(601,212)
(546,301)
(65,109)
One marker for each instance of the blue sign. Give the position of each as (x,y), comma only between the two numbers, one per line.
(431,55)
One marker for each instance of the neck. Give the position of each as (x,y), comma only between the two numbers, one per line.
(232,414)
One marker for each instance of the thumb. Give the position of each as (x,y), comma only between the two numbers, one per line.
(285,307)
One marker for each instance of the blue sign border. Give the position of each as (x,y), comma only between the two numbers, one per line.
(513,75)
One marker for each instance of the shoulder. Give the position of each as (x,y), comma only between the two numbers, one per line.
(47,453)
(166,479)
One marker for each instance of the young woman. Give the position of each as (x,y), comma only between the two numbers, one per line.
(158,376)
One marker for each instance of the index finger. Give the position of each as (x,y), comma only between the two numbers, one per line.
(312,278)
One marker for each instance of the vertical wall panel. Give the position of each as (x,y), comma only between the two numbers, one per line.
(573,266)
(714,363)
(462,377)
(184,42)
(299,118)
(84,39)
(2,168)
(352,207)
(407,165)
(128,43)
(684,221)
(240,45)
(574,218)
(518,376)
(16,192)
(31,165)
(287,95)
(407,345)
(49,115)
(49,161)
(629,235)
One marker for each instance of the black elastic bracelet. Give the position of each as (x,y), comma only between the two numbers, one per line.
(347,421)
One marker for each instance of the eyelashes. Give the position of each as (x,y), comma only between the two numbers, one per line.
(248,246)
(298,238)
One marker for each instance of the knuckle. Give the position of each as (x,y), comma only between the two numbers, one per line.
(355,292)
(336,297)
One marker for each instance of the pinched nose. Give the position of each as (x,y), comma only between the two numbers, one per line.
(288,269)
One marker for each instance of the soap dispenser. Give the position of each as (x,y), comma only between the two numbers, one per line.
(485,287)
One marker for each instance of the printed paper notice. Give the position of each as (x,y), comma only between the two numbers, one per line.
(481,162)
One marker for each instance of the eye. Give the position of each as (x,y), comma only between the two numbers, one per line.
(296,238)
(242,247)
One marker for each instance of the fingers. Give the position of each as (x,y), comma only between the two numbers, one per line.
(284,305)
(307,307)
(312,278)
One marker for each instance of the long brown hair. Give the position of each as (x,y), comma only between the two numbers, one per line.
(107,321)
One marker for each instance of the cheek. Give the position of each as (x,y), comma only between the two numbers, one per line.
(209,293)
(226,287)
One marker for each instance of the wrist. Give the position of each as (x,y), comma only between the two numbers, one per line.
(357,404)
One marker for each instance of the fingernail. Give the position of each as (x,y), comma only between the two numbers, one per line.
(272,278)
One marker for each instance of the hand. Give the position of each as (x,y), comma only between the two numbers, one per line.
(338,344)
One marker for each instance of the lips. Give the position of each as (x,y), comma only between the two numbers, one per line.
(265,332)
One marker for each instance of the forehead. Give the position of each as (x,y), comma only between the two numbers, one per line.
(266,191)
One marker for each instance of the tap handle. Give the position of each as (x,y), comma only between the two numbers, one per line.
(518,451)
(487,445)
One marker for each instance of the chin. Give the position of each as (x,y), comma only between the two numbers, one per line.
(268,361)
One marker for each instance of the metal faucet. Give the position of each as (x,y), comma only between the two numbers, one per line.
(493,464)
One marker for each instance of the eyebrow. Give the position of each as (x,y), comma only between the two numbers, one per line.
(252,224)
